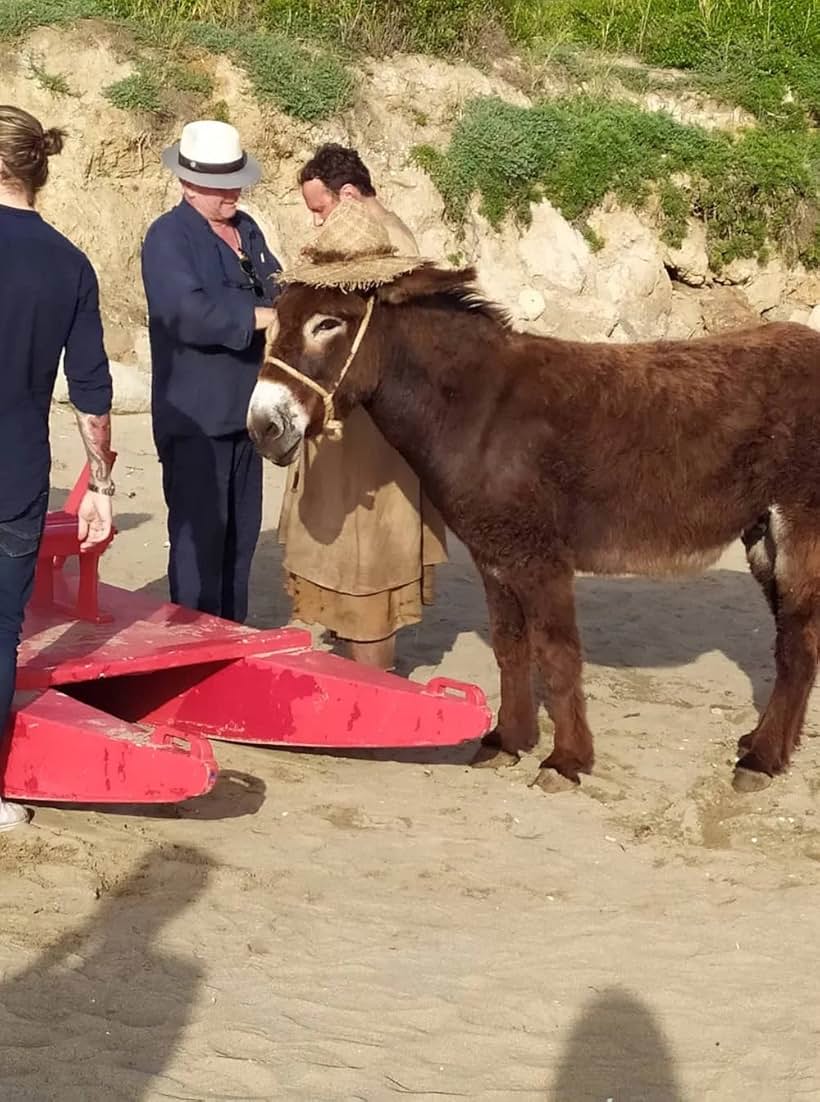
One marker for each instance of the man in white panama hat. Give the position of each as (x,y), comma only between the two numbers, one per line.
(207,272)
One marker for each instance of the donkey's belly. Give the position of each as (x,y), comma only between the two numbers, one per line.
(682,537)
(679,546)
(651,561)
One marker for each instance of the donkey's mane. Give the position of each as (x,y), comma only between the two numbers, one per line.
(467,298)
(446,288)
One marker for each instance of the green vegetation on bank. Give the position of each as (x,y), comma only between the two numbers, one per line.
(444,27)
(308,82)
(56,83)
(763,55)
(759,187)
(574,151)
(760,54)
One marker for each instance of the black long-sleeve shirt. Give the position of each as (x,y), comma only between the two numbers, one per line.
(205,352)
(49,303)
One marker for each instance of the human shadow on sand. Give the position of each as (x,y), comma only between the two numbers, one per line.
(616,1052)
(101,1013)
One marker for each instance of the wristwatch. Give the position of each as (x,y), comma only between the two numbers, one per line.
(108,490)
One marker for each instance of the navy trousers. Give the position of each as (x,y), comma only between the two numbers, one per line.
(19,544)
(213,490)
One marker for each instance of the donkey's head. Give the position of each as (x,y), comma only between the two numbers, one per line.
(324,350)
(313,372)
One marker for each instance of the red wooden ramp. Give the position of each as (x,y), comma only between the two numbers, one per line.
(64,751)
(158,680)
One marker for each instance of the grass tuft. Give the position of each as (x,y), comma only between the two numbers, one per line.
(56,83)
(138,92)
(307,84)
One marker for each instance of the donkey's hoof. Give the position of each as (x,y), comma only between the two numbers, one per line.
(569,767)
(493,757)
(560,774)
(750,780)
(551,782)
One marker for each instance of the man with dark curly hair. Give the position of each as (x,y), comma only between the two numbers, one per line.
(361,539)
(336,172)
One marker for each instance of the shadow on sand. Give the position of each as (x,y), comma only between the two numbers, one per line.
(617,1052)
(100,1014)
(626,623)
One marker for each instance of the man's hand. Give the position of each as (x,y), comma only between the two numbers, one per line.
(94,514)
(93,519)
(264,316)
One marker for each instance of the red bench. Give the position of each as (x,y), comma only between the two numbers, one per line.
(60,542)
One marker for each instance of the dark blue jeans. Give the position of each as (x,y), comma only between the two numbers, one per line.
(213,490)
(19,543)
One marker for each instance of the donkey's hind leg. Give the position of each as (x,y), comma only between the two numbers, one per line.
(761,554)
(557,647)
(516,729)
(793,591)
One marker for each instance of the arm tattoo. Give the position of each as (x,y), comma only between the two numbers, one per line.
(96,433)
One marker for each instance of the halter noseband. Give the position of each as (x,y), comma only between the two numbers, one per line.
(330,423)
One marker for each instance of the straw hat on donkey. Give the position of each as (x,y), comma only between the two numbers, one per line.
(352,251)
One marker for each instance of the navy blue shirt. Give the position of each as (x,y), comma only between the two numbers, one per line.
(205,351)
(49,302)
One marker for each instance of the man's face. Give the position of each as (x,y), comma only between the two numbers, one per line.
(215,204)
(319,200)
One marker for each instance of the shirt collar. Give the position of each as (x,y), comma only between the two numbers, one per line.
(19,212)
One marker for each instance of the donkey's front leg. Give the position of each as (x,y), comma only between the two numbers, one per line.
(516,729)
(557,650)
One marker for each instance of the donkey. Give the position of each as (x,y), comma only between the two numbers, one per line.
(546,457)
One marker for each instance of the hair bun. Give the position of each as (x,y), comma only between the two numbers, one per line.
(53,141)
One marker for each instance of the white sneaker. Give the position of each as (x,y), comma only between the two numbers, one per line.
(12,815)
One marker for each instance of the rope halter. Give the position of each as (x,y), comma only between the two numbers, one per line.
(331,425)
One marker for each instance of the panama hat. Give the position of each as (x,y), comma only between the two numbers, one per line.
(210,153)
(352,251)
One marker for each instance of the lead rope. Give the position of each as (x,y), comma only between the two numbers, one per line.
(331,425)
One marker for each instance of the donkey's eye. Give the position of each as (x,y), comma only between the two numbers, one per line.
(326,325)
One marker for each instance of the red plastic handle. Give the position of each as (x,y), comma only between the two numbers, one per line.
(198,748)
(444,686)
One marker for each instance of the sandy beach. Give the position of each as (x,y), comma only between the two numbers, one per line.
(366,928)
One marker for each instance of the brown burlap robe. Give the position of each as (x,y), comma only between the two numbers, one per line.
(361,540)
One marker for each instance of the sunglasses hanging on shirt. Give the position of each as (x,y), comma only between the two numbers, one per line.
(248,269)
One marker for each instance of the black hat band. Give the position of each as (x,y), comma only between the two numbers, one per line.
(212,169)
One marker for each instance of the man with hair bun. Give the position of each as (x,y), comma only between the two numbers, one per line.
(361,539)
(48,307)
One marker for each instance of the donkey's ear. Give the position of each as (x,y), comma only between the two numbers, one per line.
(424,282)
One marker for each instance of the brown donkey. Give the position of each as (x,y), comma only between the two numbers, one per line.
(547,457)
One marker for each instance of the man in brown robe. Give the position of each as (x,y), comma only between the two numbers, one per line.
(361,540)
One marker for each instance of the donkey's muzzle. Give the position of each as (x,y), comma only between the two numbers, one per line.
(274,437)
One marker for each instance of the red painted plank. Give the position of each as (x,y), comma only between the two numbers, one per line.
(306,700)
(199,675)
(63,750)
(141,637)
